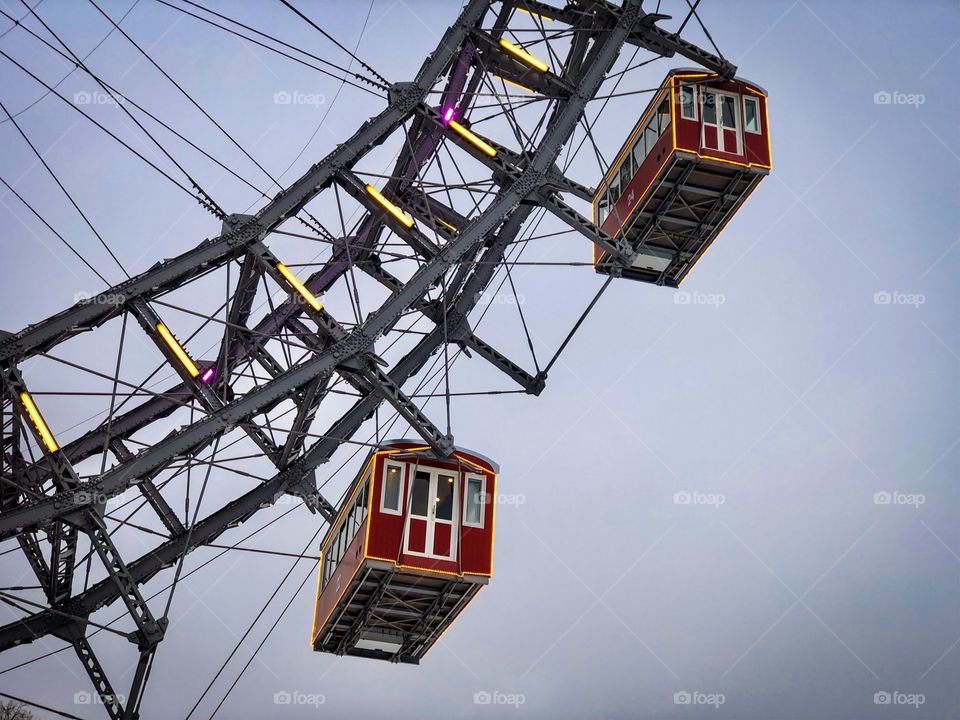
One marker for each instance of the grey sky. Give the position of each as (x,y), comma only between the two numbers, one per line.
(818,365)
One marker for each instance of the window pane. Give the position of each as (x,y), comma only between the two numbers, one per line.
(420,495)
(639,150)
(625,175)
(652,137)
(751,120)
(445,497)
(709,108)
(474,501)
(391,488)
(688,109)
(729,112)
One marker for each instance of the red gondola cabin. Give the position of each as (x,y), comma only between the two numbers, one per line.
(696,154)
(411,546)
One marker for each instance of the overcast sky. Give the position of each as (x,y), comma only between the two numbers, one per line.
(816,365)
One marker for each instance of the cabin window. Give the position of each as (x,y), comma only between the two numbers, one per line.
(603,205)
(709,108)
(420,494)
(614,190)
(625,175)
(474,500)
(445,487)
(639,150)
(392,483)
(688,103)
(651,134)
(751,114)
(728,112)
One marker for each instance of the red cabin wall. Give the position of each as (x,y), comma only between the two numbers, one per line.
(475,545)
(756,147)
(636,188)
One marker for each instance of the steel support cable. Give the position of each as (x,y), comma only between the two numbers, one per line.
(251,626)
(19,23)
(66,192)
(182,90)
(113,135)
(112,89)
(336,95)
(345,70)
(266,637)
(50,228)
(215,209)
(31,703)
(334,41)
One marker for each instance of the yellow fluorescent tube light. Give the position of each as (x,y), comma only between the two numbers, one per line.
(524,55)
(38,422)
(300,287)
(401,217)
(447,225)
(511,82)
(484,147)
(177,350)
(536,15)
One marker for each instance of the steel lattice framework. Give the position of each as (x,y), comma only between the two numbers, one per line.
(49,505)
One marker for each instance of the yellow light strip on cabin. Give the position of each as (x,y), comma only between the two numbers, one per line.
(524,56)
(177,350)
(401,216)
(515,84)
(481,145)
(38,422)
(300,287)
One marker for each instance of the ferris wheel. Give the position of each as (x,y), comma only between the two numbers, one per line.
(326,322)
